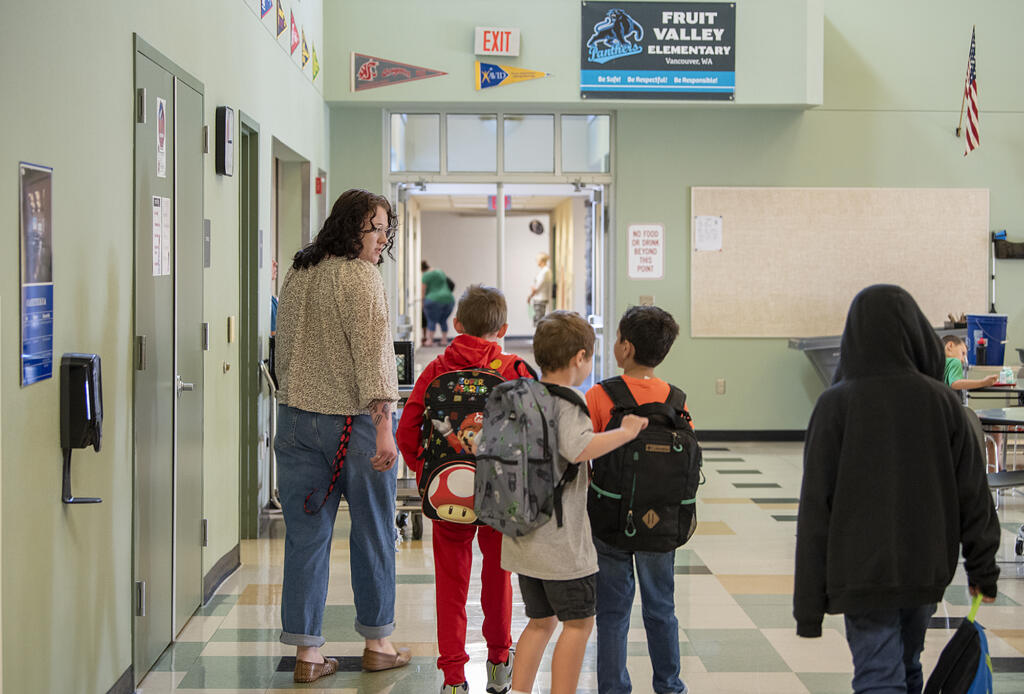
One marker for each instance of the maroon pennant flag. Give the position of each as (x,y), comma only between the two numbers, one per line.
(369,72)
(295,34)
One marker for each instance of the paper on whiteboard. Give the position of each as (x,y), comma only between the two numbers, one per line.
(707,233)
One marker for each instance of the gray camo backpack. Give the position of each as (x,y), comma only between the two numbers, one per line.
(519,473)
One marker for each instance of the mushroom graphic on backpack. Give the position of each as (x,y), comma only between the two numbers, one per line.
(451,493)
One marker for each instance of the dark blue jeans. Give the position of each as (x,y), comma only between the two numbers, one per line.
(655,572)
(437,314)
(886,647)
(305,446)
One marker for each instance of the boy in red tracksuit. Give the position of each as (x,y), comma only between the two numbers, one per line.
(480,321)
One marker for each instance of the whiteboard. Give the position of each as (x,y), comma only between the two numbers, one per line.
(792,259)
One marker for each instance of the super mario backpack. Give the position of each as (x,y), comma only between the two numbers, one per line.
(452,419)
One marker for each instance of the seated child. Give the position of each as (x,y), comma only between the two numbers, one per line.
(557,564)
(480,321)
(645,335)
(956,360)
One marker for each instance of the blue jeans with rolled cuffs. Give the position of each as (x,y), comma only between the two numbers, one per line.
(305,446)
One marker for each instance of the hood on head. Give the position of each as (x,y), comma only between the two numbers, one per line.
(886,332)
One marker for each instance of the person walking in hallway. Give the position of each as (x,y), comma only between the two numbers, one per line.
(893,489)
(438,302)
(338,387)
(540,290)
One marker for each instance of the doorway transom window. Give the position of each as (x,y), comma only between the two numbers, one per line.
(500,143)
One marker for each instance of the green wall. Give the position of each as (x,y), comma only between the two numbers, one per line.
(892,80)
(357,151)
(67,81)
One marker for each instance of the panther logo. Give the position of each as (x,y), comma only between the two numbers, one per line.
(616,36)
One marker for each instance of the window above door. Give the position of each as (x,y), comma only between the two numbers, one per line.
(496,144)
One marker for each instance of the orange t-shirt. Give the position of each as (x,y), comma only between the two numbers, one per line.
(644,390)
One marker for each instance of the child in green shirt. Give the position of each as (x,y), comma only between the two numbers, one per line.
(956,354)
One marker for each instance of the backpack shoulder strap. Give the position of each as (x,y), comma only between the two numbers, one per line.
(520,366)
(569,395)
(676,399)
(571,471)
(619,392)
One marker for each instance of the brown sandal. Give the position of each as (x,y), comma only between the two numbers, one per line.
(306,671)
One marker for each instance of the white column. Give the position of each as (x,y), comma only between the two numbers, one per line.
(499,205)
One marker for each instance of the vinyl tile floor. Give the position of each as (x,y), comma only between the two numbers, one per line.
(733,600)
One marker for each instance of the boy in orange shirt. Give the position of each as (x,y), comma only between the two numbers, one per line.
(480,321)
(644,338)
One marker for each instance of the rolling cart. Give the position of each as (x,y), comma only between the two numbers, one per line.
(274,503)
(408,506)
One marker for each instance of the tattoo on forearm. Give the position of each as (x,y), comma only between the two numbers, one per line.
(381,411)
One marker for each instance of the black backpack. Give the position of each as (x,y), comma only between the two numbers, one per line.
(643,495)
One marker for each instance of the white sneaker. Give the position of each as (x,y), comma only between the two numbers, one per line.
(455,688)
(499,675)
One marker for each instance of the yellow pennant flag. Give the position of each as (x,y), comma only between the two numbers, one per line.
(492,75)
(316,64)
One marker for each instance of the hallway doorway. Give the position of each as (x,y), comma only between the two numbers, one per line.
(485,193)
(252,438)
(455,229)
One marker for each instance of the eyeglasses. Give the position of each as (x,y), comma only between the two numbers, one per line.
(389,232)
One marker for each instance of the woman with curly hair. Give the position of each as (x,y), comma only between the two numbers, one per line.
(338,386)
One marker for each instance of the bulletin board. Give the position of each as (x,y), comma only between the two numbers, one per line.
(792,259)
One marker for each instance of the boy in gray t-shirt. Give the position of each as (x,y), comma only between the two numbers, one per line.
(557,566)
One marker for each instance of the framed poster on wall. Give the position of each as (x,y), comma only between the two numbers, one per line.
(36,241)
(658,50)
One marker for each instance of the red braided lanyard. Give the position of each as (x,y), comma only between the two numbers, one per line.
(339,461)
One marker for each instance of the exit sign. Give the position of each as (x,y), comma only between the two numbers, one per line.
(492,202)
(497,41)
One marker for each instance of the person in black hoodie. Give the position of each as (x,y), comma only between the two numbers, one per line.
(894,482)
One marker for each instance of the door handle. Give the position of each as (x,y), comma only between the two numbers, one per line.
(181,387)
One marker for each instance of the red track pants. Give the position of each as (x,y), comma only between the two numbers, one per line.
(453,563)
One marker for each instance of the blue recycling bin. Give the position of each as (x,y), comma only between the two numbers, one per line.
(991,326)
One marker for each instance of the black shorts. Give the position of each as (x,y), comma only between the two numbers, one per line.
(573,599)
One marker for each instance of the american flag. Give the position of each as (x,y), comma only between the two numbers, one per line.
(971,97)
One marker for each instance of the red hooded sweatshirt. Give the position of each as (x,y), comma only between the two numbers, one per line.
(465,352)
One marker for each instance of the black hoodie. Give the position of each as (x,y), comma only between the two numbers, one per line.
(894,479)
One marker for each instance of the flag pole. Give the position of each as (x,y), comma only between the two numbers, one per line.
(963,97)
